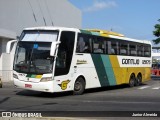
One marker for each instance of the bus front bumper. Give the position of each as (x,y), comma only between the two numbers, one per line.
(35,86)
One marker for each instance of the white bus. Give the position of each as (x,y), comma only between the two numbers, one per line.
(56,59)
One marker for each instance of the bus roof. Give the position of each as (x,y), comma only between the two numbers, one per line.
(130,39)
(97,32)
(53,28)
(111,34)
(105,32)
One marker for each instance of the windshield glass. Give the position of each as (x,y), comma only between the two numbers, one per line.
(33,57)
(41,36)
(33,53)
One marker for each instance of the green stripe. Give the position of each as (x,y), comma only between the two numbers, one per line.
(95,33)
(100,69)
(108,69)
(31,76)
(85,31)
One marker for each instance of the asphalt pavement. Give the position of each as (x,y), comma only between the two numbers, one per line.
(116,101)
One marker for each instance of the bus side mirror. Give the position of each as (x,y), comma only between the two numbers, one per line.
(8,46)
(53,48)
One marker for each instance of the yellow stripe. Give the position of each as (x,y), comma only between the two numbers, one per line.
(38,76)
(119,72)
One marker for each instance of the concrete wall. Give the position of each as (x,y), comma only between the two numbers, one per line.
(6,61)
(18,14)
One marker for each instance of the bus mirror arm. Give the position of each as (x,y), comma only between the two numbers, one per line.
(8,46)
(54,46)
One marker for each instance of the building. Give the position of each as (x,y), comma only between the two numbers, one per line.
(15,15)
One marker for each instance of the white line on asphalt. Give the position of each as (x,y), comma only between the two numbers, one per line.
(143,87)
(2,110)
(156,88)
(124,102)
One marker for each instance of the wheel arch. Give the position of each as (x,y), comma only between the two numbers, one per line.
(132,74)
(79,85)
(81,76)
(139,74)
(76,77)
(131,81)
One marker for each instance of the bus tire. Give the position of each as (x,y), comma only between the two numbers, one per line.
(79,86)
(132,80)
(138,80)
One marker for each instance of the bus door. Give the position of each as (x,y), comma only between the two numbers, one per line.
(65,53)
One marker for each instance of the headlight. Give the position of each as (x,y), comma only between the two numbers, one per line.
(15,76)
(45,79)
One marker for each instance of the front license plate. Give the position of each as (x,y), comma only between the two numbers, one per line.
(28,86)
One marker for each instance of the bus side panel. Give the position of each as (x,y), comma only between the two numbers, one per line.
(135,71)
(86,68)
(119,72)
(147,75)
(144,71)
(104,69)
(109,70)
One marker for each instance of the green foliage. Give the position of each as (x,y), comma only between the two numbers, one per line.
(156,41)
(156,32)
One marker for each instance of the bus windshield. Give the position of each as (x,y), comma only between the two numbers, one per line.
(33,57)
(33,54)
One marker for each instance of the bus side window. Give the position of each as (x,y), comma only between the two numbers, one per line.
(98,45)
(147,51)
(112,46)
(140,50)
(124,48)
(133,49)
(111,51)
(83,44)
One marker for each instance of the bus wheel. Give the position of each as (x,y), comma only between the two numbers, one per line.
(132,80)
(138,80)
(79,86)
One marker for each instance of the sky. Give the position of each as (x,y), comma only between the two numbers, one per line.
(133,18)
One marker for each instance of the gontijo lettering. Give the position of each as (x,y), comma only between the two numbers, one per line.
(130,61)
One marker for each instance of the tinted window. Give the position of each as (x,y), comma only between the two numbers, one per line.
(113,48)
(84,44)
(133,49)
(98,45)
(147,50)
(124,48)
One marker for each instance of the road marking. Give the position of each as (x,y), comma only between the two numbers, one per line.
(123,102)
(143,87)
(156,88)
(1,110)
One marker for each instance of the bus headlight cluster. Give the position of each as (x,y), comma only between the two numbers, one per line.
(45,79)
(15,76)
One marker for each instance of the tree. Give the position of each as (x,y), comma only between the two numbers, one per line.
(156,32)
